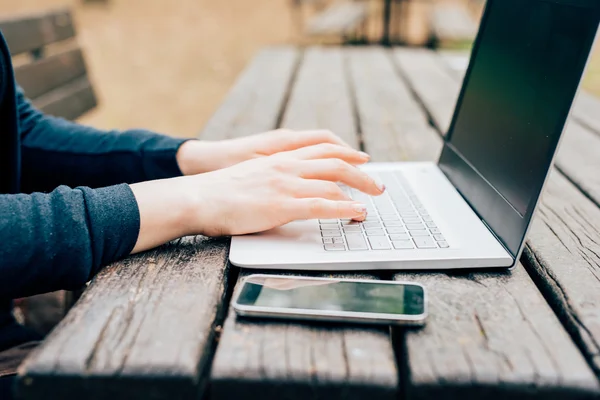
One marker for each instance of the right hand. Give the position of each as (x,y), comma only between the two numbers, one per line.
(264,193)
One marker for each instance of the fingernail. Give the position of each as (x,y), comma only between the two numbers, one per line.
(360,209)
(364,155)
(379,185)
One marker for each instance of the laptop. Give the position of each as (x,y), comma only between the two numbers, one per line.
(473,207)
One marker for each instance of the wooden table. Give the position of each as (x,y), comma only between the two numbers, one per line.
(158,325)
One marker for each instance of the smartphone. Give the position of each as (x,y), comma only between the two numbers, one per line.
(330,299)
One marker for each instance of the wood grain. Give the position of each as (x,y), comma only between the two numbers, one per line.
(39,77)
(321,97)
(288,360)
(489,333)
(296,360)
(391,122)
(33,31)
(254,104)
(144,329)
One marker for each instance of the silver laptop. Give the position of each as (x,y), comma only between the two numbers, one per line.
(473,207)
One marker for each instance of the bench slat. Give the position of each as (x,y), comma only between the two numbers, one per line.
(41,76)
(299,361)
(339,19)
(485,321)
(33,31)
(69,101)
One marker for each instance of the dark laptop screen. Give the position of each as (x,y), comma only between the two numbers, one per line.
(525,70)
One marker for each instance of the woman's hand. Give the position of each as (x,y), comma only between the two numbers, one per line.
(196,157)
(254,195)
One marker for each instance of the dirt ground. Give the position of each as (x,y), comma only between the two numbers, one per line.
(166,65)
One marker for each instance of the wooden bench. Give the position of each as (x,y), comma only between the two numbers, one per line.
(341,20)
(451,24)
(158,325)
(49,65)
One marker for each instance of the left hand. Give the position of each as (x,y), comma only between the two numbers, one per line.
(196,157)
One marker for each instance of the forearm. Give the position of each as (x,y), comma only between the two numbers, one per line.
(166,212)
(58,152)
(61,239)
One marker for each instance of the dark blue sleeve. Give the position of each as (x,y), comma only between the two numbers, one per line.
(57,152)
(59,240)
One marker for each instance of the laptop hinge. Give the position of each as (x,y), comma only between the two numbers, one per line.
(497,239)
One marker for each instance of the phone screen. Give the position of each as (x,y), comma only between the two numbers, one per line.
(333,295)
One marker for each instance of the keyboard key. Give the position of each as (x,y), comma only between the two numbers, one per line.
(356,242)
(396,229)
(409,214)
(443,245)
(331,233)
(325,227)
(335,247)
(411,220)
(400,236)
(415,227)
(327,240)
(434,230)
(351,223)
(430,225)
(369,225)
(418,233)
(328,221)
(392,223)
(425,242)
(375,232)
(427,219)
(352,228)
(439,238)
(390,218)
(379,243)
(403,244)
(338,240)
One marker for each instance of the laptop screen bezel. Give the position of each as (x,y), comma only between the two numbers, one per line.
(512,229)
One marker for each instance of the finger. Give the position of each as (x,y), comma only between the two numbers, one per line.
(317,208)
(298,139)
(328,150)
(305,188)
(335,170)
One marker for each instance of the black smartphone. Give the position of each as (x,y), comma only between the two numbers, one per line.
(331,299)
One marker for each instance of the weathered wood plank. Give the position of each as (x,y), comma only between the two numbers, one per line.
(144,329)
(146,326)
(69,101)
(437,91)
(287,360)
(563,251)
(391,122)
(254,104)
(39,77)
(562,239)
(500,330)
(321,96)
(339,19)
(302,361)
(33,31)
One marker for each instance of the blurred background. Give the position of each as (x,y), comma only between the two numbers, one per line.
(166,65)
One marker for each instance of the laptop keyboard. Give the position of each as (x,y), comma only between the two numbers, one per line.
(396,220)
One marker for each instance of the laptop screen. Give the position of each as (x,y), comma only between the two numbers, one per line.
(524,73)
